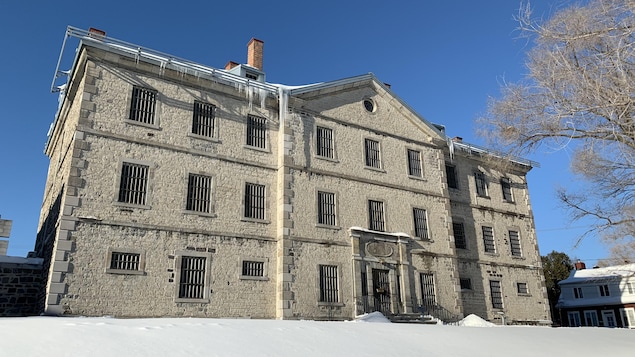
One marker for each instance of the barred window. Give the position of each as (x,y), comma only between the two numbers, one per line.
(522,288)
(488,240)
(125,261)
(254,201)
(199,193)
(481,184)
(328,283)
(256,131)
(506,186)
(253,268)
(192,277)
(133,185)
(372,153)
(326,208)
(450,173)
(376,216)
(466,283)
(514,243)
(459,235)
(421,223)
(497,294)
(143,105)
(204,119)
(324,142)
(414,163)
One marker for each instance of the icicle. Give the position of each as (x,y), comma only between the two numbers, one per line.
(451,147)
(263,98)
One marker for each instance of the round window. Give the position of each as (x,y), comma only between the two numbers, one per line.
(369,105)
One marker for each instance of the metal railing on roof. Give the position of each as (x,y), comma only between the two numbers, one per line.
(98,39)
(477,150)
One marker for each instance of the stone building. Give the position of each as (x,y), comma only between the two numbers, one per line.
(177,189)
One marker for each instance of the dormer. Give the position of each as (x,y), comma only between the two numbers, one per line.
(253,69)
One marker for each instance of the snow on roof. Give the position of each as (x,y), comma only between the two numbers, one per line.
(616,272)
(396,234)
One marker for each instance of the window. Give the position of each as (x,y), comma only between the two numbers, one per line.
(328,283)
(591,318)
(421,223)
(253,268)
(372,153)
(414,163)
(369,105)
(577,293)
(630,287)
(604,290)
(125,261)
(514,243)
(203,122)
(192,277)
(428,295)
(522,288)
(199,192)
(376,216)
(459,235)
(450,173)
(628,317)
(488,240)
(466,283)
(326,208)
(608,317)
(497,294)
(574,319)
(133,186)
(143,105)
(324,142)
(506,186)
(254,201)
(481,184)
(256,131)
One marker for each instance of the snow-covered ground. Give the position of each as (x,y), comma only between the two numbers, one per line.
(371,335)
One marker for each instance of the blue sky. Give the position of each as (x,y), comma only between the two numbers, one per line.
(444,58)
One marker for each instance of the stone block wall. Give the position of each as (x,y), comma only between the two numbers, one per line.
(20,285)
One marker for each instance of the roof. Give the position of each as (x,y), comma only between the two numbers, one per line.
(251,88)
(597,275)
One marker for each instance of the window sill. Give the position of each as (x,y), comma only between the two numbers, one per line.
(418,178)
(375,169)
(202,214)
(423,240)
(327,159)
(336,228)
(256,148)
(524,294)
(483,196)
(124,205)
(257,278)
(202,137)
(255,220)
(326,303)
(125,272)
(193,301)
(510,202)
(518,257)
(492,254)
(145,125)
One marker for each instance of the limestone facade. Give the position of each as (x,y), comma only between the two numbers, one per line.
(316,202)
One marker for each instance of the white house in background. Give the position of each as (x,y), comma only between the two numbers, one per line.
(599,297)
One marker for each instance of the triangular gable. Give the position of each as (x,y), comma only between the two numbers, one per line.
(343,100)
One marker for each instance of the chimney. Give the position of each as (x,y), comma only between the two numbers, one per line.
(230,65)
(579,265)
(457,139)
(254,53)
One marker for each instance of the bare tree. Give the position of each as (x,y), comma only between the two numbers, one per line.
(579,94)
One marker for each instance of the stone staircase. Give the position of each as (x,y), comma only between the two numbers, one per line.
(412,319)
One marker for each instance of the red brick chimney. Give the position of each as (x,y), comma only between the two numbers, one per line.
(230,65)
(255,48)
(579,265)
